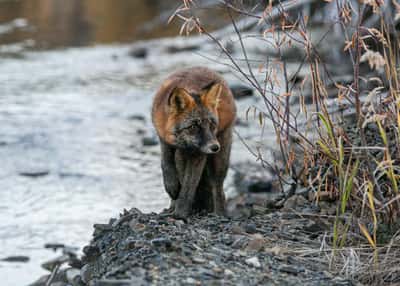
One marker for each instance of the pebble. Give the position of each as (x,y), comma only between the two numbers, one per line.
(253,261)
(198,260)
(138,52)
(250,228)
(295,202)
(149,141)
(241,91)
(161,242)
(190,280)
(137,117)
(291,269)
(256,244)
(229,273)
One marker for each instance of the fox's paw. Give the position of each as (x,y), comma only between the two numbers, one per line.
(181,214)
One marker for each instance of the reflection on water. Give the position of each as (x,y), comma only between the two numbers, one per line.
(59,23)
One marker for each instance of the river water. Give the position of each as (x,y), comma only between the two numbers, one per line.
(72,122)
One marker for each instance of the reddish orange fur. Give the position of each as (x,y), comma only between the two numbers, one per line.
(218,99)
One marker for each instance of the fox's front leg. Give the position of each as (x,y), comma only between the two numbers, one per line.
(190,168)
(170,175)
(219,164)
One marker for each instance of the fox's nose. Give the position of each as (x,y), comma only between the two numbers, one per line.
(214,148)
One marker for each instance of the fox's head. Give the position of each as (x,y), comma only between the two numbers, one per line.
(193,119)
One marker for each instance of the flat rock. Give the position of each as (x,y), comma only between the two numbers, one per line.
(240,91)
(253,261)
(16,258)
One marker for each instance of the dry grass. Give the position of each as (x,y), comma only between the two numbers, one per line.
(354,163)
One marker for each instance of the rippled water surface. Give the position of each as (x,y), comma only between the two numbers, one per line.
(72,124)
(70,151)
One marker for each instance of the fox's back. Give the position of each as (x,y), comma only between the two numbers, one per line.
(193,80)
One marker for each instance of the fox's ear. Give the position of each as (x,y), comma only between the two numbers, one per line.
(211,97)
(180,100)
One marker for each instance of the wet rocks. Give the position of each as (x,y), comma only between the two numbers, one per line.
(253,261)
(150,249)
(63,270)
(260,187)
(295,202)
(137,117)
(138,52)
(240,91)
(149,141)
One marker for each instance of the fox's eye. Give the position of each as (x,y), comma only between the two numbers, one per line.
(193,127)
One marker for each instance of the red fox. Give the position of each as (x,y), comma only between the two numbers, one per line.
(194,113)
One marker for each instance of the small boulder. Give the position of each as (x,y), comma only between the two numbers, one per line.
(138,52)
(253,261)
(149,141)
(240,91)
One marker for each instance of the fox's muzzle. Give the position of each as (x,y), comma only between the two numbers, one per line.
(211,148)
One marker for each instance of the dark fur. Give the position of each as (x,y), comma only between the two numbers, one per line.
(193,178)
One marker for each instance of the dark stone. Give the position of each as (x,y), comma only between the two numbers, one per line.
(291,269)
(137,117)
(303,192)
(241,91)
(91,252)
(260,187)
(75,262)
(16,258)
(161,242)
(138,52)
(54,246)
(102,226)
(314,227)
(34,174)
(176,49)
(241,123)
(130,243)
(140,131)
(149,141)
(250,228)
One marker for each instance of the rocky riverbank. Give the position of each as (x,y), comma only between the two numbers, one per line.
(278,248)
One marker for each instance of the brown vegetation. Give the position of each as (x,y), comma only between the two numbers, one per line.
(344,144)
